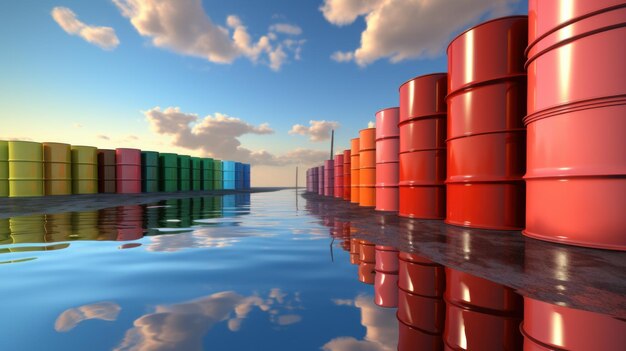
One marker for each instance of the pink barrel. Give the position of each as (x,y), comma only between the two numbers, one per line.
(347,181)
(576,176)
(386,283)
(338,191)
(422,166)
(486,143)
(329,177)
(387,143)
(320,183)
(128,171)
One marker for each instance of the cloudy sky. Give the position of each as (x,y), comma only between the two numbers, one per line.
(262,82)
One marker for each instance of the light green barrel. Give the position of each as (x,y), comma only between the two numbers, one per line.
(168,172)
(184,172)
(196,173)
(218,183)
(4,168)
(57,169)
(207,174)
(25,169)
(84,170)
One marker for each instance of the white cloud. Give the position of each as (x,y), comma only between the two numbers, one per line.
(218,135)
(317,131)
(404,29)
(103,37)
(286,28)
(185,28)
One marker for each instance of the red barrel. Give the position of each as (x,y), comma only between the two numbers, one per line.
(480,314)
(355,178)
(329,177)
(486,145)
(367,167)
(386,282)
(422,160)
(387,144)
(576,177)
(128,171)
(346,175)
(338,191)
(549,327)
(320,183)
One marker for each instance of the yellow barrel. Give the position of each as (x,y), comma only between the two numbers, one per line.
(27,229)
(4,168)
(25,169)
(57,169)
(84,170)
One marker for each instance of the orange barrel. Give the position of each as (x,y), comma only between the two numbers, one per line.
(338,191)
(4,168)
(346,175)
(367,167)
(57,169)
(25,168)
(386,280)
(554,327)
(84,169)
(320,183)
(576,177)
(387,144)
(106,171)
(355,171)
(329,177)
(422,125)
(129,223)
(486,145)
(480,314)
(128,170)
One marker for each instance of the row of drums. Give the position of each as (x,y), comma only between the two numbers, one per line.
(38,169)
(526,131)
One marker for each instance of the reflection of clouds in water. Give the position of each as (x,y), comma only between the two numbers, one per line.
(381,325)
(200,237)
(183,326)
(67,320)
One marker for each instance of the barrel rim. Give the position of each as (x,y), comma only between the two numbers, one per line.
(422,76)
(387,108)
(46,143)
(482,24)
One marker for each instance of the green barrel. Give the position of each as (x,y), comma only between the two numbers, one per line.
(207,174)
(184,213)
(196,173)
(149,171)
(4,168)
(218,177)
(84,170)
(57,169)
(168,172)
(25,169)
(184,172)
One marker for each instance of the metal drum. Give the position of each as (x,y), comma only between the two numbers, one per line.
(84,170)
(576,177)
(338,177)
(229,174)
(57,169)
(196,173)
(25,169)
(387,144)
(184,172)
(128,171)
(238,175)
(207,174)
(168,172)
(347,182)
(329,177)
(367,167)
(4,168)
(149,171)
(355,178)
(106,171)
(320,183)
(218,180)
(486,143)
(422,125)
(246,176)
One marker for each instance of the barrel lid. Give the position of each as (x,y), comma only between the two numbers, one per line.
(387,108)
(422,76)
(484,23)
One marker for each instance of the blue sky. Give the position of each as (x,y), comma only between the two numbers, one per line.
(57,86)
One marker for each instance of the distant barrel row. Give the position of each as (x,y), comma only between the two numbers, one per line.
(37,169)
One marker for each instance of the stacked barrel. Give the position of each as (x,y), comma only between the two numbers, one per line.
(367,167)
(128,171)
(168,172)
(320,180)
(486,136)
(422,124)
(57,169)
(218,180)
(386,280)
(329,177)
(4,168)
(149,171)
(196,174)
(84,169)
(106,171)
(576,176)
(207,174)
(184,172)
(346,175)
(338,191)
(229,175)
(246,176)
(355,177)
(387,144)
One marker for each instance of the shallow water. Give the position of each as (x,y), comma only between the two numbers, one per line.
(233,272)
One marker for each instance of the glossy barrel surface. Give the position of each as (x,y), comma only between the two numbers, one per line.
(168,172)
(57,168)
(149,171)
(106,171)
(367,167)
(184,172)
(25,161)
(4,168)
(347,179)
(329,177)
(354,170)
(387,149)
(128,170)
(84,169)
(338,176)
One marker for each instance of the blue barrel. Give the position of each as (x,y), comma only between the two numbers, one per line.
(238,175)
(228,171)
(246,176)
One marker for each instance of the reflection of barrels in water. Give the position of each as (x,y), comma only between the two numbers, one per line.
(57,168)
(27,229)
(4,168)
(184,172)
(84,170)
(85,225)
(106,171)
(149,171)
(386,284)
(5,232)
(129,222)
(168,172)
(25,169)
(58,227)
